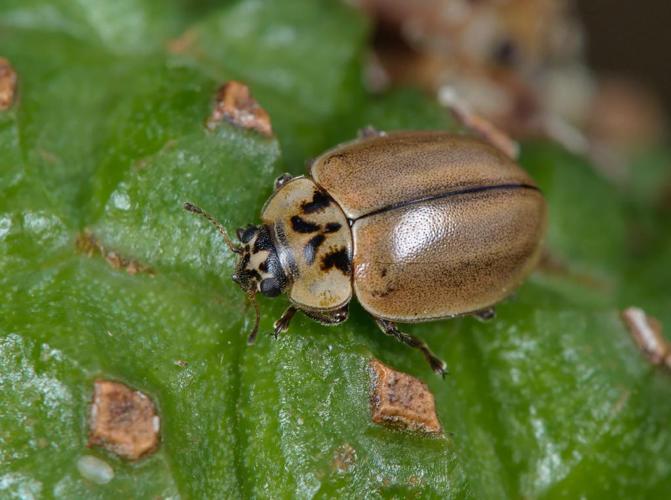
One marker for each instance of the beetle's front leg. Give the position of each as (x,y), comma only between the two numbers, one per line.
(329,318)
(282,324)
(389,328)
(449,98)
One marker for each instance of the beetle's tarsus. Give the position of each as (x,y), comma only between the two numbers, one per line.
(438,366)
(282,324)
(370,131)
(389,328)
(485,315)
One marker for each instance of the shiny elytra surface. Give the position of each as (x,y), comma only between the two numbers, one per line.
(442,225)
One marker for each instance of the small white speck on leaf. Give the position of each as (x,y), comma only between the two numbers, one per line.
(95,470)
(121,200)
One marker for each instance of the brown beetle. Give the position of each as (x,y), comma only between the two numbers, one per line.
(418,225)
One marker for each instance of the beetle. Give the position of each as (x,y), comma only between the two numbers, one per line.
(418,226)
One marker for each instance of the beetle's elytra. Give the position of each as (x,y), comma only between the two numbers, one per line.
(417,225)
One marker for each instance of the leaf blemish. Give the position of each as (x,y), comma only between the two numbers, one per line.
(400,400)
(87,244)
(235,104)
(344,458)
(7,84)
(647,333)
(123,421)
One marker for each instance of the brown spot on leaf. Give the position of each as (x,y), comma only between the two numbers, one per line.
(402,401)
(344,458)
(414,481)
(236,105)
(184,43)
(89,245)
(7,84)
(123,421)
(647,333)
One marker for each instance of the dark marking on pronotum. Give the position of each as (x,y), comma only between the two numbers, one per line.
(320,201)
(338,259)
(332,227)
(263,267)
(310,250)
(300,225)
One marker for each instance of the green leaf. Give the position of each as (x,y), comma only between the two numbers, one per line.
(104,275)
(123,26)
(301,58)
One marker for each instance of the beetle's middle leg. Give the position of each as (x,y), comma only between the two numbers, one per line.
(389,328)
(369,131)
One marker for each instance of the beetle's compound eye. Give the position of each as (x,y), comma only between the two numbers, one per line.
(245,234)
(235,278)
(270,287)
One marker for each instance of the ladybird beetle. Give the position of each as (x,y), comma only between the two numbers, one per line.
(419,226)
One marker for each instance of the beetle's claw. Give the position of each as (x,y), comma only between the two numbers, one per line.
(282,324)
(439,367)
(278,328)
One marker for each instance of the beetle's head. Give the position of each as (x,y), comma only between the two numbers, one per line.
(258,268)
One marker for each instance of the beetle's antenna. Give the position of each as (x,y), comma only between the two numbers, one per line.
(190,207)
(252,335)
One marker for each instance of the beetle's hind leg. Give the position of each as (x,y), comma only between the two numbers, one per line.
(437,365)
(369,131)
